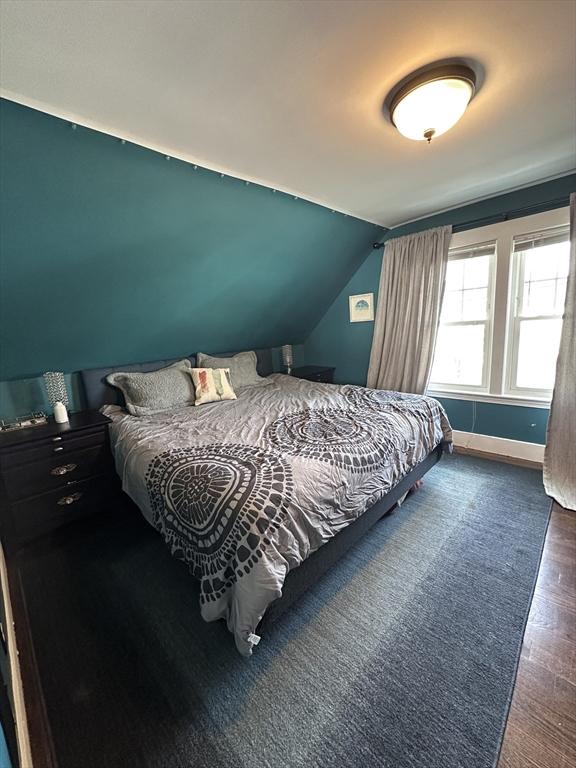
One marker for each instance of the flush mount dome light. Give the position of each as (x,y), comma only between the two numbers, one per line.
(431,103)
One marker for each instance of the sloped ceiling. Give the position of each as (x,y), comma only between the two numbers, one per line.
(289,93)
(112,254)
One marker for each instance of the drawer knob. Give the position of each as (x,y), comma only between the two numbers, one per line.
(56,439)
(59,448)
(71,499)
(64,469)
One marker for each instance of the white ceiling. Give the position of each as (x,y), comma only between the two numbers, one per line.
(289,93)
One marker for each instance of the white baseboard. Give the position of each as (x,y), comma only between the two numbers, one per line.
(514,449)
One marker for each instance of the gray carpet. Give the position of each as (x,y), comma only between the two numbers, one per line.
(403,656)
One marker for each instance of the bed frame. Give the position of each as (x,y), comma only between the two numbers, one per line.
(314,567)
(98,393)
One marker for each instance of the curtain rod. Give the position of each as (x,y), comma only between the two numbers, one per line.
(497,218)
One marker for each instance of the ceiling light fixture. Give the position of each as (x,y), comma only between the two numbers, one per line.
(429,104)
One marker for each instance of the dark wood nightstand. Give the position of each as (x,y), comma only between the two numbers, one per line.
(314,373)
(52,474)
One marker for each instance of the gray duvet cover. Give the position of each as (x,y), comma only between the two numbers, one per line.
(244,490)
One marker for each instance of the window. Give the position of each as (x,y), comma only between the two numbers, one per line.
(461,355)
(501,316)
(540,266)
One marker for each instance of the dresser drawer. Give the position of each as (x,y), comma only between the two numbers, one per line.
(40,515)
(58,471)
(58,446)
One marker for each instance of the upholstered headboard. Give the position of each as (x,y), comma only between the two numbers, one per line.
(98,392)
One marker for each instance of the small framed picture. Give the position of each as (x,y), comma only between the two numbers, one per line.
(361,307)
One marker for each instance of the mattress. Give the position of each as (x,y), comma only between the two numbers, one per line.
(244,490)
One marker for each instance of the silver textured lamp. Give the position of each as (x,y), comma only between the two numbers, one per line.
(57,395)
(287,357)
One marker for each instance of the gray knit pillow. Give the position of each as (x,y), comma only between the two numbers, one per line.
(147,393)
(242,368)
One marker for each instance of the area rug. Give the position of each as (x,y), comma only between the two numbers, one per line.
(403,656)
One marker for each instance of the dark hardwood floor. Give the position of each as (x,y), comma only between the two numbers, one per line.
(541,728)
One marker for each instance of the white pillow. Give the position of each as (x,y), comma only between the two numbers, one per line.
(212,385)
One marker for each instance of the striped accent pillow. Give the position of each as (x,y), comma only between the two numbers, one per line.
(212,385)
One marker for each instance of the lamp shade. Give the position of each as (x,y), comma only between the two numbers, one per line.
(429,105)
(287,356)
(56,387)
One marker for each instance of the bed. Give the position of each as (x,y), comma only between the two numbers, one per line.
(261,495)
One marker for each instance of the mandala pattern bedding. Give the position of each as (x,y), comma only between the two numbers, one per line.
(244,490)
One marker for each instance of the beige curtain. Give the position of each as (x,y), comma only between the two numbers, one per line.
(409,303)
(560,451)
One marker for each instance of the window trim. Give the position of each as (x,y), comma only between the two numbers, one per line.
(457,255)
(503,233)
(514,319)
(481,397)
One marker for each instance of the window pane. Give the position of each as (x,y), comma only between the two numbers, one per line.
(455,274)
(544,279)
(476,272)
(466,293)
(452,307)
(546,262)
(459,355)
(537,352)
(543,297)
(474,304)
(469,304)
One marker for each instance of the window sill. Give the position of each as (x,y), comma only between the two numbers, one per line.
(482,397)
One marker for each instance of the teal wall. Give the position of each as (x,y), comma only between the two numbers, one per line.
(110,253)
(517,422)
(335,341)
(5,761)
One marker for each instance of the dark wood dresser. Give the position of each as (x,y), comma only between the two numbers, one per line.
(314,373)
(52,474)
